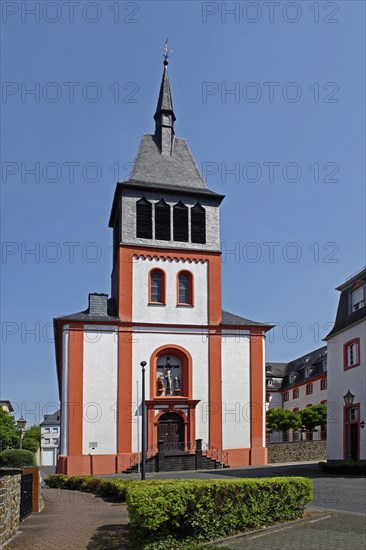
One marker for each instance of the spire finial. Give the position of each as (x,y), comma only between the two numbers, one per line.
(166,53)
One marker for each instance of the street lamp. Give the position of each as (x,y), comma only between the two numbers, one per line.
(21,425)
(143,424)
(348,401)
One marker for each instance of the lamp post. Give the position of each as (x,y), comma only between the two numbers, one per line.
(143,424)
(21,425)
(348,401)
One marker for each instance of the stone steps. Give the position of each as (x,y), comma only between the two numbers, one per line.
(176,463)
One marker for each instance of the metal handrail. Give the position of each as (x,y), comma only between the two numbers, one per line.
(136,457)
(216,454)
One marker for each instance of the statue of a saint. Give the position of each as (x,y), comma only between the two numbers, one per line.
(176,385)
(160,384)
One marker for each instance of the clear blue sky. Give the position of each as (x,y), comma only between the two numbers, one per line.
(293,130)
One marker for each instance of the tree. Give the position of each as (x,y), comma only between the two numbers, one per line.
(32,438)
(9,433)
(280,419)
(314,415)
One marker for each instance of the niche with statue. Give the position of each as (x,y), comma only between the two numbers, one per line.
(168,376)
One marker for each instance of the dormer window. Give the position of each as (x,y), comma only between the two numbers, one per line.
(357,298)
(307,372)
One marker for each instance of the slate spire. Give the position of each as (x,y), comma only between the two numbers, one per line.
(164,115)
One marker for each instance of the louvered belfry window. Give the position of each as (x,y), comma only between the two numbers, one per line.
(143,219)
(180,222)
(162,221)
(198,224)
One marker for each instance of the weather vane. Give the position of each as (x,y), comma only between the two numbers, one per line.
(166,52)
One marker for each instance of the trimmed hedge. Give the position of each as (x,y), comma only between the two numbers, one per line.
(344,467)
(171,513)
(106,488)
(17,458)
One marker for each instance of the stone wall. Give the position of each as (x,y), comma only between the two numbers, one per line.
(9,503)
(297,451)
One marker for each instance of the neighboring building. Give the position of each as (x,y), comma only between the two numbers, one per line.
(6,406)
(205,366)
(50,439)
(298,384)
(346,345)
(275,373)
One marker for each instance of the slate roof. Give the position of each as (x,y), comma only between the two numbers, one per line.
(297,368)
(165,102)
(177,169)
(50,419)
(86,315)
(294,372)
(278,370)
(344,318)
(232,319)
(227,317)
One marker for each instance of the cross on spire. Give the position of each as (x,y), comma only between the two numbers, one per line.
(166,52)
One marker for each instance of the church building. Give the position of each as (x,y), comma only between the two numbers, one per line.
(205,372)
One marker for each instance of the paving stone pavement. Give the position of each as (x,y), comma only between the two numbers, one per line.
(339,531)
(73,520)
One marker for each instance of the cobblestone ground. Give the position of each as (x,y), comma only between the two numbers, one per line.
(73,521)
(341,530)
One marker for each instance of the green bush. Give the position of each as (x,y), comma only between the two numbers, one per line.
(171,513)
(17,458)
(344,467)
(106,488)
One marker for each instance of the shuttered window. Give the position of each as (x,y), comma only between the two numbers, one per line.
(162,221)
(143,219)
(180,222)
(198,224)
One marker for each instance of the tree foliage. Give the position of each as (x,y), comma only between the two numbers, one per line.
(281,419)
(314,415)
(9,433)
(32,438)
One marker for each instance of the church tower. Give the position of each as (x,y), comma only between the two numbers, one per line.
(205,366)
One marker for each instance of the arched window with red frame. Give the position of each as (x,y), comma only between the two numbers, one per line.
(185,288)
(157,286)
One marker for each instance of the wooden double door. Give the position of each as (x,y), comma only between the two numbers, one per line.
(171,429)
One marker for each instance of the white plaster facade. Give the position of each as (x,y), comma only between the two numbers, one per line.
(235,390)
(304,400)
(339,382)
(170,312)
(100,390)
